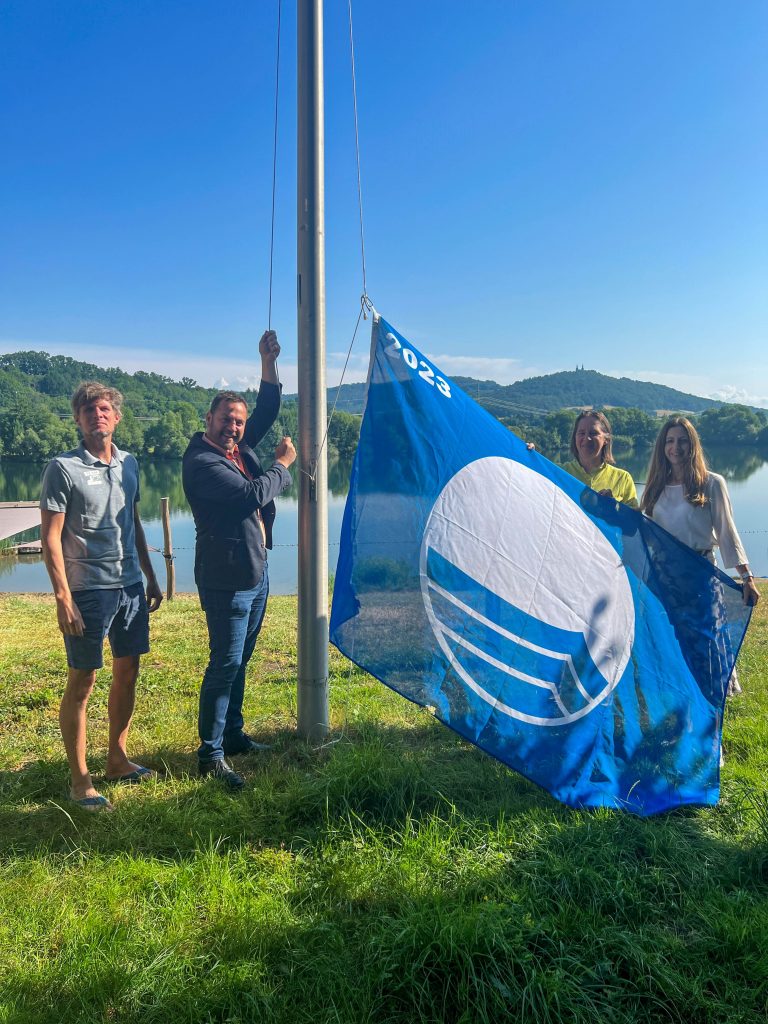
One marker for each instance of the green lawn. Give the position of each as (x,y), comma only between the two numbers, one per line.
(394,875)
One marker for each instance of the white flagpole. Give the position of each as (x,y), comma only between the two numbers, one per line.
(313,465)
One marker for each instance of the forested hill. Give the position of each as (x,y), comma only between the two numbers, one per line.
(576,388)
(27,375)
(537,396)
(148,395)
(160,414)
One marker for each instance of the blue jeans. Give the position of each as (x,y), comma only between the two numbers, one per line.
(234,619)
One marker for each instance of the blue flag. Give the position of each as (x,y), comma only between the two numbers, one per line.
(558,630)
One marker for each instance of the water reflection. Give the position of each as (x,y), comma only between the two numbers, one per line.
(746,470)
(160,480)
(732,463)
(8,566)
(21,482)
(163,480)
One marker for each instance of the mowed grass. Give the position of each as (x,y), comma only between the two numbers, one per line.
(395,874)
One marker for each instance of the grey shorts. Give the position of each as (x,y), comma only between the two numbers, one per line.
(120,614)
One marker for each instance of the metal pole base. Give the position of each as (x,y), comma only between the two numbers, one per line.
(313,709)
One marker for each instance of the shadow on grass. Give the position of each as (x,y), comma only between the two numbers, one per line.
(583,918)
(436,961)
(417,879)
(373,772)
(295,796)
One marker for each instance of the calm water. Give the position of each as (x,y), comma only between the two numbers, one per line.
(27,574)
(745,470)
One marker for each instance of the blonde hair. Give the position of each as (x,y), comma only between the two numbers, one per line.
(660,470)
(92,391)
(606,453)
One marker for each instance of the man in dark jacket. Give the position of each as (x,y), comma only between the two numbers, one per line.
(232,501)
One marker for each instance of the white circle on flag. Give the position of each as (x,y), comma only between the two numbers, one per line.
(521,538)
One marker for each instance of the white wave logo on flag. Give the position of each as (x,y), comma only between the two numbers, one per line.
(526,597)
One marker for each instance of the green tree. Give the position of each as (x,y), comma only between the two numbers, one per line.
(731,424)
(32,446)
(633,426)
(29,430)
(546,441)
(343,434)
(11,431)
(286,424)
(560,426)
(130,433)
(190,418)
(35,364)
(166,438)
(57,435)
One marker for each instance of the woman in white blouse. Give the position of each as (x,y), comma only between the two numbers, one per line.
(692,504)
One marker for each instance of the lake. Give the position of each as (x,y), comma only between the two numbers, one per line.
(20,481)
(745,470)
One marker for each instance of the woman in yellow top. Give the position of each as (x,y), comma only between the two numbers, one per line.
(593,461)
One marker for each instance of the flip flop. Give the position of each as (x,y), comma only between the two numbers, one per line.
(136,775)
(92,803)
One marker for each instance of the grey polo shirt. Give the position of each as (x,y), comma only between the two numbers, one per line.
(99,538)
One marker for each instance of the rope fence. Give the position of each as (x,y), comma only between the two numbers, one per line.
(158,551)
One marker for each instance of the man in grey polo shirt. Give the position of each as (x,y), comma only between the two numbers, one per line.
(95,550)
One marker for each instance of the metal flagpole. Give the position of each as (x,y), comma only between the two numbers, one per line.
(313,467)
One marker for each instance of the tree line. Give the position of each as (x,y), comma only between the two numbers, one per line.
(33,431)
(731,425)
(160,415)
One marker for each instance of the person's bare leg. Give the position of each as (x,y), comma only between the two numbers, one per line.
(72,721)
(122,696)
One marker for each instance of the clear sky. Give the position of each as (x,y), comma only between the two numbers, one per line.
(546,183)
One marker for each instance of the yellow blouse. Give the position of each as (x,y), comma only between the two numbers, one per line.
(607,478)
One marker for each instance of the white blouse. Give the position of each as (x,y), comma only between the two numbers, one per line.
(702,527)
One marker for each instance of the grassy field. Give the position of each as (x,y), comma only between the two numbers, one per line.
(394,875)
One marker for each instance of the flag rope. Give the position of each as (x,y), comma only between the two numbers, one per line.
(357,149)
(366,306)
(274,165)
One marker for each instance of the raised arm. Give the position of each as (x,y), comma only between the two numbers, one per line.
(268,402)
(269,350)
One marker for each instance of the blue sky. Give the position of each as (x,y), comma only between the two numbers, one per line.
(546,183)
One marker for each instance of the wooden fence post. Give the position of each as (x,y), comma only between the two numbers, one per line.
(170,570)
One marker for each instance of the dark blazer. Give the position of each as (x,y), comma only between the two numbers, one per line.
(229,548)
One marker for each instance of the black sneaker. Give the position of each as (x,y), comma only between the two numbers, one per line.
(221,770)
(245,745)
